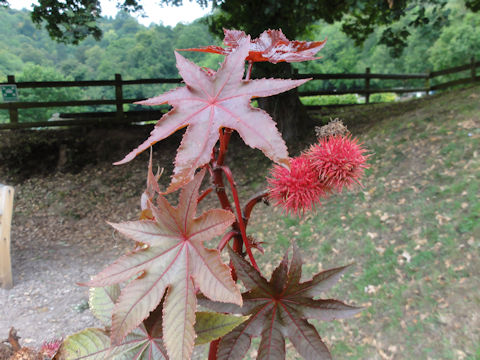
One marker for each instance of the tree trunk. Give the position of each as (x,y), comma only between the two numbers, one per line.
(285,109)
(288,112)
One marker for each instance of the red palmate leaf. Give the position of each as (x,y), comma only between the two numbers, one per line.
(172,259)
(210,102)
(271,45)
(280,308)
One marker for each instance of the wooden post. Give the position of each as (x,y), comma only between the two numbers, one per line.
(12,109)
(6,210)
(367,85)
(427,83)
(473,69)
(119,96)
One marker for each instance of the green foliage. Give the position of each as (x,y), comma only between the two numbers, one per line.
(330,100)
(127,47)
(457,42)
(211,326)
(38,73)
(383,97)
(136,52)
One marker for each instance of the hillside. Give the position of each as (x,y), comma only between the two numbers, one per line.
(136,51)
(412,231)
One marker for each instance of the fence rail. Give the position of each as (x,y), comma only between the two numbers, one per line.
(130,116)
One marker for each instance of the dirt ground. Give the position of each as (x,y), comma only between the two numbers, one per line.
(53,248)
(59,232)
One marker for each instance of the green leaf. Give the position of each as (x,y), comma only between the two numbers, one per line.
(211,326)
(88,344)
(101,302)
(94,344)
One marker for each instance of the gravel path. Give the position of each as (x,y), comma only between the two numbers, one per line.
(60,238)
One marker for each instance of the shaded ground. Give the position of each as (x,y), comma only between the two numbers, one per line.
(412,231)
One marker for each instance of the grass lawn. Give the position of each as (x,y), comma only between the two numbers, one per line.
(412,232)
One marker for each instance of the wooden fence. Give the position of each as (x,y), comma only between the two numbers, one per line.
(6,211)
(131,116)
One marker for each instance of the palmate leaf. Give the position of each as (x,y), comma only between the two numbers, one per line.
(212,101)
(173,260)
(101,301)
(271,45)
(94,344)
(279,309)
(88,344)
(143,343)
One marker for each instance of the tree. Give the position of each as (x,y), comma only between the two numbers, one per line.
(71,21)
(33,72)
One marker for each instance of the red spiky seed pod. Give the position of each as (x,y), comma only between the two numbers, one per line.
(297,189)
(339,161)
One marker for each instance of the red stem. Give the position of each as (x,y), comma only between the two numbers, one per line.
(204,194)
(217,177)
(225,135)
(254,200)
(249,70)
(229,175)
(212,352)
(215,170)
(226,238)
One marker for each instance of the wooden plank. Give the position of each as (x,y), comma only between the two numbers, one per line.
(72,122)
(86,83)
(453,70)
(55,84)
(119,97)
(452,83)
(360,76)
(6,212)
(90,119)
(12,109)
(361,91)
(152,81)
(41,104)
(367,85)
(132,114)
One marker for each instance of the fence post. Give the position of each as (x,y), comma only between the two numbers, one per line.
(12,109)
(6,210)
(427,83)
(472,68)
(367,85)
(119,96)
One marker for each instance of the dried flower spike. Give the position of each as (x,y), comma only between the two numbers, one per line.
(296,189)
(334,127)
(339,161)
